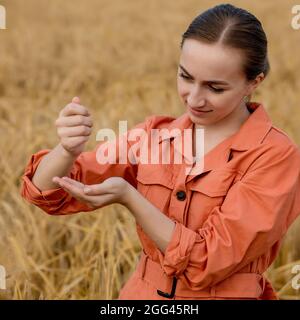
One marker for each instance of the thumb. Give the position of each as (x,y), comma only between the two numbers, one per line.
(76,100)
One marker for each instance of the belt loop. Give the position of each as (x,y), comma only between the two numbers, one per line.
(144,264)
(213,291)
(263,279)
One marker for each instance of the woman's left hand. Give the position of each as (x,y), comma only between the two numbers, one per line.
(111,190)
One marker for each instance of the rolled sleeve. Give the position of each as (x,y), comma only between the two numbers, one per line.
(252,220)
(177,254)
(52,201)
(30,191)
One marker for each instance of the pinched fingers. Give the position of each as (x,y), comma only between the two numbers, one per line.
(72,121)
(74,131)
(74,109)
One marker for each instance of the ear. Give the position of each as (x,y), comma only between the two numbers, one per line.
(255,83)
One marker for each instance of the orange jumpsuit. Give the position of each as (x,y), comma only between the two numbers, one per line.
(230,219)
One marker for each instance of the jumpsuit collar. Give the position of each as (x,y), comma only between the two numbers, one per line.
(251,133)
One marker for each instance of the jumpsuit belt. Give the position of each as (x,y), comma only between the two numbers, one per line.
(238,285)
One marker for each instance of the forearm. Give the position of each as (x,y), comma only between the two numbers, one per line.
(155,224)
(56,163)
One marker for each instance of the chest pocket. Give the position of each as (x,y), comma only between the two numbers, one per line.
(209,191)
(155,183)
(216,183)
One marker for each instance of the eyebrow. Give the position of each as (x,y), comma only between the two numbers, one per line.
(207,81)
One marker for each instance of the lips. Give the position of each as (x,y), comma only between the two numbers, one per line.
(199,110)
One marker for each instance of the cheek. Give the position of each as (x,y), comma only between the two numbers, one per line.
(182,88)
(225,101)
(219,101)
(224,106)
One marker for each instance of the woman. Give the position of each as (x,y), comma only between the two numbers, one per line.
(209,235)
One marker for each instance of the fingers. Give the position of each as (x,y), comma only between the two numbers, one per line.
(74,131)
(73,142)
(74,182)
(76,100)
(74,109)
(75,120)
(74,127)
(96,189)
(73,187)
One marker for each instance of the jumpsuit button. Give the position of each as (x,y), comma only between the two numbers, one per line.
(181,195)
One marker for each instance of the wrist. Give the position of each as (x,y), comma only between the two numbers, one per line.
(66,154)
(128,195)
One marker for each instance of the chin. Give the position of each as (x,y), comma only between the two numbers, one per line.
(198,120)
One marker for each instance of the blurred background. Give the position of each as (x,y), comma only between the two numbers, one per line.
(120,57)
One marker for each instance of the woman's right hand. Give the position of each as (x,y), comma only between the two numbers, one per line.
(74,126)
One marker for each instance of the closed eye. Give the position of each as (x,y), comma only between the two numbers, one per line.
(184,76)
(216,90)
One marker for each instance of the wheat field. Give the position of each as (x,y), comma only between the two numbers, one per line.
(120,57)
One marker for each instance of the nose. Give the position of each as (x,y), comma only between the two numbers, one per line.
(195,98)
